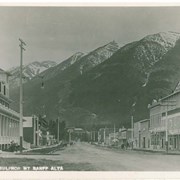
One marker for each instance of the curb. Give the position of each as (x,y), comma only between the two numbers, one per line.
(157,152)
(40,148)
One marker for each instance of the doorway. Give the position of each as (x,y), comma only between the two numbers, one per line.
(162,143)
(144,142)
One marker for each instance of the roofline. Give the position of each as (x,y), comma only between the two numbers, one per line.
(6,98)
(9,111)
(128,129)
(5,72)
(144,120)
(164,98)
(170,95)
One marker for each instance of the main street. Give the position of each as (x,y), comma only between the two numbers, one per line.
(117,160)
(100,158)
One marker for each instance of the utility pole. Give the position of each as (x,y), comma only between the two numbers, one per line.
(58,129)
(166,130)
(104,135)
(70,136)
(22,44)
(132,123)
(91,136)
(94,136)
(114,132)
(132,132)
(34,129)
(37,120)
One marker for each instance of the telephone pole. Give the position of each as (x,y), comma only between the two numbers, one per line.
(104,135)
(132,123)
(132,130)
(58,129)
(22,44)
(114,132)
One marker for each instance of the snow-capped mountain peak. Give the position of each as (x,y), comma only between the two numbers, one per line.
(98,56)
(29,71)
(36,68)
(63,65)
(166,39)
(76,57)
(152,48)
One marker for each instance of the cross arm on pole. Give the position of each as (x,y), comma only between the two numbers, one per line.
(22,41)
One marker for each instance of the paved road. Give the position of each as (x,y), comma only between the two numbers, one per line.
(112,160)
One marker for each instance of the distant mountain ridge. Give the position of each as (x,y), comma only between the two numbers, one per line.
(98,56)
(29,71)
(49,73)
(151,48)
(129,75)
(57,80)
(100,87)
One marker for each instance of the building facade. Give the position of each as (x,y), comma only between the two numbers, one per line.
(31,132)
(165,122)
(105,135)
(125,137)
(9,119)
(137,139)
(144,134)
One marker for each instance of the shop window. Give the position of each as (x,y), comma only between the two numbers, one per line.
(4,90)
(171,141)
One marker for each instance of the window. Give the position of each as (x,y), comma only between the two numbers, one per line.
(171,141)
(4,90)
(153,139)
(2,125)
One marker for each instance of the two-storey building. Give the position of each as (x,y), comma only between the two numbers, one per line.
(125,137)
(136,131)
(142,134)
(9,119)
(165,121)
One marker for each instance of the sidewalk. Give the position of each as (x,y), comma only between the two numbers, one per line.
(31,151)
(5,153)
(160,151)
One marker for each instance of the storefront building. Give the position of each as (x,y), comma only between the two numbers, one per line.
(137,140)
(31,131)
(165,119)
(125,137)
(144,134)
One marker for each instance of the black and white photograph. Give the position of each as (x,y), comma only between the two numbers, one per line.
(90,88)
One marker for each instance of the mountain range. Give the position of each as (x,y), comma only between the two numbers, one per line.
(101,88)
(29,71)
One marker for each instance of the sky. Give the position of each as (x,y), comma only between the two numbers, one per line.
(56,33)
